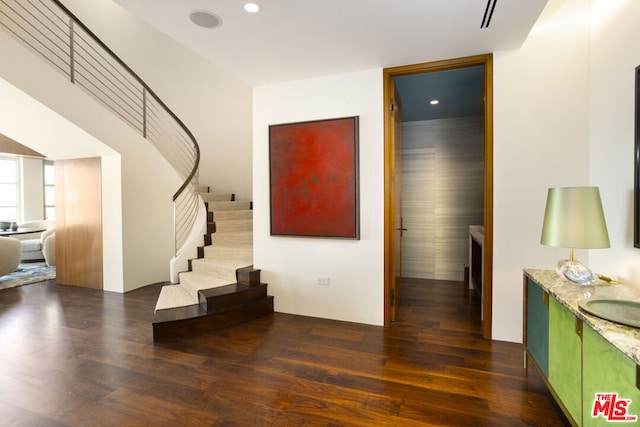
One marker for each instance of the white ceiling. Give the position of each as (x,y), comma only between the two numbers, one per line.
(297,39)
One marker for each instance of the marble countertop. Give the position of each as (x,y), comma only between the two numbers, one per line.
(625,338)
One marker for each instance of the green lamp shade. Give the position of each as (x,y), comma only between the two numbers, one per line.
(574,219)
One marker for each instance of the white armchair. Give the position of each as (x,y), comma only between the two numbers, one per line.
(49,248)
(32,243)
(9,255)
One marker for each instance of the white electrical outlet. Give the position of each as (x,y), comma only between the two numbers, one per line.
(322,280)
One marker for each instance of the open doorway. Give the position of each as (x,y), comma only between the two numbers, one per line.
(480,67)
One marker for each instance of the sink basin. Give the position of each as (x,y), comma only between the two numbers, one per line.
(614,310)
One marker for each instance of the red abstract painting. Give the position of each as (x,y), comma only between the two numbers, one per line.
(314,178)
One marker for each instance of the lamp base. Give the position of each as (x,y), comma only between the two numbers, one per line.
(575,272)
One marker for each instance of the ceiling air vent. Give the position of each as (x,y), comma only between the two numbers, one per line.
(488,13)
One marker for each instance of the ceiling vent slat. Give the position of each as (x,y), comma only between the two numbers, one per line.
(488,13)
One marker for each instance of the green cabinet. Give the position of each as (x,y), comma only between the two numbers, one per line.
(612,375)
(565,358)
(594,382)
(537,329)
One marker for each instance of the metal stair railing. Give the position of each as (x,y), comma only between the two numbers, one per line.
(54,33)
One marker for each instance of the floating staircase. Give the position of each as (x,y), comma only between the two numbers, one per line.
(221,287)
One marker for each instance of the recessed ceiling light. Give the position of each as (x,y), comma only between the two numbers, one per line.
(205,19)
(251,7)
(434,102)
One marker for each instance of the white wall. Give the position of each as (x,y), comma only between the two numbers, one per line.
(541,140)
(614,55)
(564,115)
(215,106)
(291,265)
(42,110)
(32,193)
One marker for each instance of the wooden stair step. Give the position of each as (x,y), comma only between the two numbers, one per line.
(188,321)
(230,297)
(248,275)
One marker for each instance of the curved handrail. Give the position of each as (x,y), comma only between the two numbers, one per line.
(89,63)
(193,172)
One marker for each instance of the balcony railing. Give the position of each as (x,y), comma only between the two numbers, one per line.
(54,33)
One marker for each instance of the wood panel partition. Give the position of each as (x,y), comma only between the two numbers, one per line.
(79,222)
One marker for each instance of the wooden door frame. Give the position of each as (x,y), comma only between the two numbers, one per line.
(389,194)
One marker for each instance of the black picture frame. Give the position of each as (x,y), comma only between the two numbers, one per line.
(636,154)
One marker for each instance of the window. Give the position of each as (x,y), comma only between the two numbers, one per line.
(8,188)
(49,191)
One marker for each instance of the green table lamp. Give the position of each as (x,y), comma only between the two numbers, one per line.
(574,219)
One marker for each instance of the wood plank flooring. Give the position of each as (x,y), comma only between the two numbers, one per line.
(80,357)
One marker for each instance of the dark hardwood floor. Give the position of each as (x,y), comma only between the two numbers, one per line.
(80,357)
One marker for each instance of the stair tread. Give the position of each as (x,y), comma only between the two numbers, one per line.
(199,281)
(195,276)
(234,263)
(172,296)
(234,221)
(237,233)
(232,288)
(223,215)
(224,252)
(233,237)
(214,197)
(228,205)
(222,272)
(234,225)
